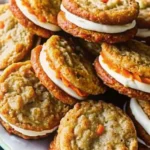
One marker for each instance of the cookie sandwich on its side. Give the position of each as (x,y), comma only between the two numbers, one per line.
(111,21)
(27,108)
(125,67)
(65,72)
(38,16)
(139,112)
(95,125)
(15,40)
(143,21)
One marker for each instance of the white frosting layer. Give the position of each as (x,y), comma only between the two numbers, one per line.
(142,142)
(34,19)
(52,75)
(139,115)
(143,33)
(127,82)
(28,132)
(139,140)
(89,25)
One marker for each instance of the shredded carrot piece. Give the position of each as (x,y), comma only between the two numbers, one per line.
(68,84)
(58,75)
(105,1)
(41,18)
(126,73)
(2,25)
(145,80)
(100,129)
(137,77)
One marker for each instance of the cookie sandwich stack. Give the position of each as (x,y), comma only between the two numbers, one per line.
(39,17)
(111,21)
(125,68)
(61,86)
(27,108)
(37,93)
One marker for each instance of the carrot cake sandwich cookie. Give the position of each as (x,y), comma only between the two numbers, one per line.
(143,21)
(38,16)
(27,108)
(111,21)
(67,74)
(95,126)
(15,40)
(125,67)
(139,112)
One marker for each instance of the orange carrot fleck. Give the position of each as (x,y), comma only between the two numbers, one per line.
(1,25)
(104,1)
(100,129)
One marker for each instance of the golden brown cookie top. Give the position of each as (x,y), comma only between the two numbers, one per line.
(45,10)
(15,40)
(25,102)
(111,12)
(96,125)
(72,66)
(132,56)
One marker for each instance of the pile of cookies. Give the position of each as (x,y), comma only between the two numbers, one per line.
(50,78)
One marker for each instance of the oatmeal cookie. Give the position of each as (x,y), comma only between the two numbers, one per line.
(94,36)
(45,80)
(126,68)
(133,56)
(145,106)
(45,10)
(73,67)
(66,68)
(109,21)
(112,83)
(27,108)
(28,23)
(109,12)
(95,125)
(15,40)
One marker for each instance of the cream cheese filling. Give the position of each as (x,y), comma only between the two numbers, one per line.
(140,115)
(89,25)
(127,82)
(139,140)
(34,19)
(28,132)
(143,33)
(52,75)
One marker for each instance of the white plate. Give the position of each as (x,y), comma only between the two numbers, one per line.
(12,142)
